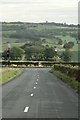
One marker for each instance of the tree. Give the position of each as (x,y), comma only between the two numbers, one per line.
(15,53)
(49,53)
(65,45)
(4,55)
(28,53)
(68,45)
(66,55)
(60,42)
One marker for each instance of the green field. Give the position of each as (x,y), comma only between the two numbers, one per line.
(39,34)
(67,38)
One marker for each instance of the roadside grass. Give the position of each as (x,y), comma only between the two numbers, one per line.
(70,81)
(8,74)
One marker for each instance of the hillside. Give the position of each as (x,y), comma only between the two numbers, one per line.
(40,35)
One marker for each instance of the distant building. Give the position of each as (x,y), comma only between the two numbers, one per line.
(65,45)
(56,50)
(46,21)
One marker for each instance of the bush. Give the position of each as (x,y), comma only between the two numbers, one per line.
(14,53)
(71,81)
(66,55)
(69,71)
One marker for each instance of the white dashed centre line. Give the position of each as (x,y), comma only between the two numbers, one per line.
(34,87)
(37,80)
(32,94)
(36,83)
(26,109)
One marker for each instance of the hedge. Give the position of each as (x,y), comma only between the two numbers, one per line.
(69,70)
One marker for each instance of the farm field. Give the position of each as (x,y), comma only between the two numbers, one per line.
(33,35)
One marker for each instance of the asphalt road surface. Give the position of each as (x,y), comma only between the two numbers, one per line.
(38,94)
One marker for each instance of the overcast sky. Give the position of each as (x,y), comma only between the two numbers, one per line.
(39,10)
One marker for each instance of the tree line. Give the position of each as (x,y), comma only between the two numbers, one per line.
(31,53)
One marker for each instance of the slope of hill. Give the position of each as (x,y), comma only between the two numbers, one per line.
(44,34)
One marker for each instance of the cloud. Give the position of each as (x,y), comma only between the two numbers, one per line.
(39,10)
(22,1)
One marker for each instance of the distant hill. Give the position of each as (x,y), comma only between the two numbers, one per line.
(39,35)
(50,23)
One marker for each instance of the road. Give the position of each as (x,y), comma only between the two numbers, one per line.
(38,94)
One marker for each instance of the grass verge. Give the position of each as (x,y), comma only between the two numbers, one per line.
(8,74)
(71,81)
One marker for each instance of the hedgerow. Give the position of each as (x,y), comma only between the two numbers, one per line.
(69,71)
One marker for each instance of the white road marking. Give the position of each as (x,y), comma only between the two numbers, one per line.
(36,83)
(32,94)
(37,80)
(34,87)
(26,109)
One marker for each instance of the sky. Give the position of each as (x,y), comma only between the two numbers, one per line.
(60,11)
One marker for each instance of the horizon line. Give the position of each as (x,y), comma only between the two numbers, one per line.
(65,23)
